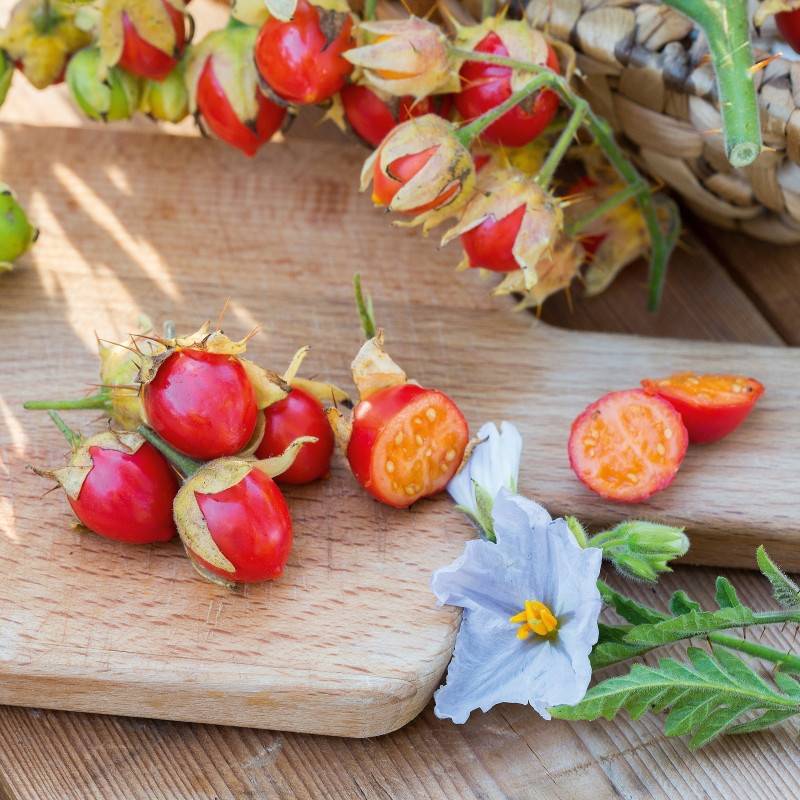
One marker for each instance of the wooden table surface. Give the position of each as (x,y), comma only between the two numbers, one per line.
(721,287)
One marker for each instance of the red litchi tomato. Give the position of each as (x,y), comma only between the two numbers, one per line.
(407,442)
(485,86)
(201,403)
(301,60)
(711,406)
(298,414)
(628,445)
(141,58)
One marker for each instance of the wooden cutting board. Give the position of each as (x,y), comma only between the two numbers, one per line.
(348,641)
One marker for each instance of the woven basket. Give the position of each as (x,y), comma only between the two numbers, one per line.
(646,70)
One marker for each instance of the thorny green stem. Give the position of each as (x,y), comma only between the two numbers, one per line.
(661,243)
(785,661)
(559,149)
(101,400)
(73,438)
(603,208)
(188,466)
(725,23)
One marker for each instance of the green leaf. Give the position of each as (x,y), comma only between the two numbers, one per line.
(771,717)
(716,722)
(784,589)
(726,595)
(706,696)
(787,684)
(630,610)
(696,623)
(611,647)
(484,503)
(680,603)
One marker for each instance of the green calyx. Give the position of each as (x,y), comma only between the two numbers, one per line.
(115,97)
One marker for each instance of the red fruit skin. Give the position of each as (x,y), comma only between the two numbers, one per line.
(298,414)
(371,119)
(296,60)
(486,86)
(201,403)
(128,496)
(401,171)
(490,244)
(788,23)
(706,423)
(250,524)
(216,110)
(370,419)
(142,58)
(586,468)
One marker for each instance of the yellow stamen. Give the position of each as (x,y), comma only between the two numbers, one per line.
(536,618)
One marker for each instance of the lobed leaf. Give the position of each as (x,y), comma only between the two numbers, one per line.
(726,596)
(784,589)
(706,696)
(630,610)
(695,623)
(680,603)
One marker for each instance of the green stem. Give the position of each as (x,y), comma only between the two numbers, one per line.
(725,23)
(487,9)
(74,439)
(364,306)
(559,149)
(169,330)
(101,400)
(188,466)
(471,131)
(786,661)
(603,208)
(661,244)
(369,9)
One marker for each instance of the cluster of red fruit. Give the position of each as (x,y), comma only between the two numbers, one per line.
(221,430)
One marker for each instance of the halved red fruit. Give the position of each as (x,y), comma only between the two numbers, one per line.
(712,406)
(628,445)
(407,443)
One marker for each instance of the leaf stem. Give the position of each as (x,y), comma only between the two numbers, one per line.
(603,208)
(101,400)
(188,466)
(364,305)
(74,439)
(559,149)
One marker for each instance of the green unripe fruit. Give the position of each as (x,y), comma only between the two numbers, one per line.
(167,100)
(6,73)
(115,97)
(16,233)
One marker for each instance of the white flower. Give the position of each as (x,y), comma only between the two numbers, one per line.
(542,656)
(494,465)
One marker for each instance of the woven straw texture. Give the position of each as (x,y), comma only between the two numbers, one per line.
(645,68)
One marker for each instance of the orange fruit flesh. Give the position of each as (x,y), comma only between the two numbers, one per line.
(709,389)
(628,450)
(419,450)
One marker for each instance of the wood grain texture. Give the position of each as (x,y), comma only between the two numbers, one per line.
(507,753)
(76,634)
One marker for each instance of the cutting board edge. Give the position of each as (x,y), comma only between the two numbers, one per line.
(380,706)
